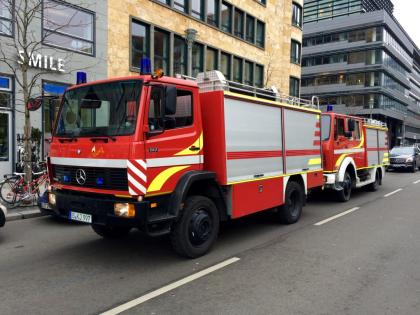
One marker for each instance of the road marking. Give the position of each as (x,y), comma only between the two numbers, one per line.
(126,306)
(336,216)
(416,182)
(393,192)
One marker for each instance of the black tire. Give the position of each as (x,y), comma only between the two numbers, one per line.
(8,191)
(375,185)
(2,218)
(196,230)
(344,194)
(108,231)
(294,199)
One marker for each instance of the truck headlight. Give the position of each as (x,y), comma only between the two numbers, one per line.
(126,210)
(51,199)
(410,159)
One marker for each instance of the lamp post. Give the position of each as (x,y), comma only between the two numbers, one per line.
(190,36)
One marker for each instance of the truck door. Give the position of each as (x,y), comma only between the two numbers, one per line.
(174,140)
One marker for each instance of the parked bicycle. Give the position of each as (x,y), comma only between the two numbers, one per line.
(14,190)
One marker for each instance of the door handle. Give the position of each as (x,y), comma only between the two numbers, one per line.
(194,148)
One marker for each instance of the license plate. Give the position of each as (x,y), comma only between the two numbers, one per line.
(81,217)
(398,165)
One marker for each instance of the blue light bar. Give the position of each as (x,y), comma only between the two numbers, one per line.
(81,77)
(330,108)
(66,178)
(100,181)
(145,66)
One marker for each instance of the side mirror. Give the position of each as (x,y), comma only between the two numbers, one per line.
(170,100)
(352,125)
(34,103)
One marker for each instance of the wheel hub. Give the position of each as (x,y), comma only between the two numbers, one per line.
(200,227)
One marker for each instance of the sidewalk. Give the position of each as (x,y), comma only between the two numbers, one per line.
(25,212)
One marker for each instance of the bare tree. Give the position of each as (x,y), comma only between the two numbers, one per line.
(22,51)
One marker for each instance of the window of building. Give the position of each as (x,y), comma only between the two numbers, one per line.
(294,86)
(226,17)
(68,27)
(357,57)
(250,28)
(260,34)
(181,5)
(161,50)
(213,12)
(225,65)
(5,92)
(296,15)
(180,55)
(237,69)
(239,23)
(197,59)
(295,52)
(249,73)
(167,2)
(197,9)
(211,59)
(259,76)
(6,25)
(140,34)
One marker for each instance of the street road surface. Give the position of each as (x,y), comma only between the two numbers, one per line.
(359,257)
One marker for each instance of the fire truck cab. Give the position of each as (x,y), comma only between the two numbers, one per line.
(355,153)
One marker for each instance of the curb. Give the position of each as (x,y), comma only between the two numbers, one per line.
(25,214)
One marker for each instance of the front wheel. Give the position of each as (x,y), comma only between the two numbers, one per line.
(107,231)
(11,191)
(294,199)
(196,230)
(344,194)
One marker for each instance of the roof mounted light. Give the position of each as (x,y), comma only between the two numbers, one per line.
(330,108)
(145,66)
(81,77)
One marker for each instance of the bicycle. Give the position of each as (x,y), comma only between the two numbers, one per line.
(14,190)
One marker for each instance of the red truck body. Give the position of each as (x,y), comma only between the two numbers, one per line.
(169,155)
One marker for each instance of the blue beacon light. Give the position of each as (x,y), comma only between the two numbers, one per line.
(100,181)
(330,108)
(81,77)
(145,66)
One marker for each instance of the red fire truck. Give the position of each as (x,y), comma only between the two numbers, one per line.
(176,156)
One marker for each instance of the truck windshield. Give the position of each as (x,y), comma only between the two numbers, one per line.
(108,109)
(325,127)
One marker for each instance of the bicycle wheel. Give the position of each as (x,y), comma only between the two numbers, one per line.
(11,191)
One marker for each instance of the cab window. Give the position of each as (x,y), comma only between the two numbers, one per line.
(339,129)
(356,132)
(182,117)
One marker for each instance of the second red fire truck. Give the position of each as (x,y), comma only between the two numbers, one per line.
(176,156)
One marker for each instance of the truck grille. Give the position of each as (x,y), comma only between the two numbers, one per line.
(397,161)
(96,177)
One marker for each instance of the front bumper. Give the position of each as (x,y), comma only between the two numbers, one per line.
(154,221)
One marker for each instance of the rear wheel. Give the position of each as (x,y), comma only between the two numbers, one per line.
(294,199)
(107,231)
(344,194)
(375,185)
(196,230)
(11,191)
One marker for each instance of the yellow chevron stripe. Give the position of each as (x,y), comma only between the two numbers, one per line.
(163,177)
(197,143)
(362,142)
(340,159)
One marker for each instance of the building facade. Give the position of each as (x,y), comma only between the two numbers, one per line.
(254,42)
(365,64)
(69,38)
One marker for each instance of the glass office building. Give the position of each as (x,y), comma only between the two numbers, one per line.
(364,63)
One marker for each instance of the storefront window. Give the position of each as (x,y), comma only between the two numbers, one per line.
(4,137)
(197,59)
(180,55)
(161,49)
(140,34)
(211,59)
(68,27)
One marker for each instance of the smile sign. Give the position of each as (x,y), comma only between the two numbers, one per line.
(42,62)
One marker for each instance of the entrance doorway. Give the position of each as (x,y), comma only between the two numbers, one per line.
(6,166)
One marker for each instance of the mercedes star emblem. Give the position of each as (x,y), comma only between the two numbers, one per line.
(81,176)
